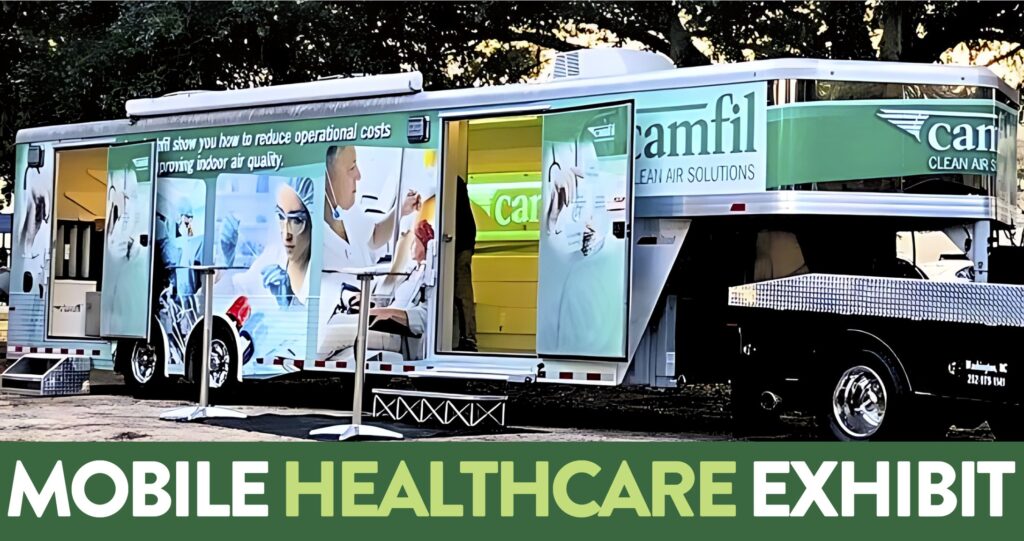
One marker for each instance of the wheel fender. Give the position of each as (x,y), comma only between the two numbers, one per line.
(866,338)
(165,353)
(235,341)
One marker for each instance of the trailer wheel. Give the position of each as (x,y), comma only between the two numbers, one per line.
(866,397)
(141,365)
(223,359)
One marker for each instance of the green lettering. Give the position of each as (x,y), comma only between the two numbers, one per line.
(294,488)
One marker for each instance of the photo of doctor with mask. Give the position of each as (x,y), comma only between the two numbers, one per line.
(352,236)
(282,268)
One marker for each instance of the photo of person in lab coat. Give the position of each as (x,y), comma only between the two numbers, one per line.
(408,307)
(282,269)
(34,231)
(353,236)
(127,254)
(581,294)
(178,240)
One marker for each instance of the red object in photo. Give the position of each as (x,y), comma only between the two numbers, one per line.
(240,311)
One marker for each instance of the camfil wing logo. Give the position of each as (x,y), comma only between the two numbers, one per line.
(605,132)
(908,121)
(912,120)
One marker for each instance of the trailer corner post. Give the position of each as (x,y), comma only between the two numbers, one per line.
(203,410)
(357,429)
(979,249)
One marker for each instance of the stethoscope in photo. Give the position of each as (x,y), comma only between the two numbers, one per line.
(40,213)
(336,211)
(562,196)
(348,301)
(115,215)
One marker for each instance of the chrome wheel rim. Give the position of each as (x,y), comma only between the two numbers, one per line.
(859,402)
(220,364)
(143,362)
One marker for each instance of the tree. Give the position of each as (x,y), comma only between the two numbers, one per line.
(64,62)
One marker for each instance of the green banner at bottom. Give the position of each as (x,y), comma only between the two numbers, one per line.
(509,491)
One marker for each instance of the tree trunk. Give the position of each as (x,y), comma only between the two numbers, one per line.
(891,46)
(680,44)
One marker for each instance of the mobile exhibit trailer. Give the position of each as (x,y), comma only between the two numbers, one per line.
(623,223)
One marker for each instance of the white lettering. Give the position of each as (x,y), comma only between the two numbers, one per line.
(500,204)
(203,506)
(53,489)
(764,488)
(87,472)
(928,488)
(879,488)
(995,471)
(814,489)
(963,137)
(141,490)
(241,487)
(933,140)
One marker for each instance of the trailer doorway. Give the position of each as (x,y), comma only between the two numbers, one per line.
(77,261)
(491,193)
(545,201)
(100,244)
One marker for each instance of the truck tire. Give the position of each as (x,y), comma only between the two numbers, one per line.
(866,398)
(142,365)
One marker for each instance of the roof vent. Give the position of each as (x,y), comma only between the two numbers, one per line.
(567,65)
(592,63)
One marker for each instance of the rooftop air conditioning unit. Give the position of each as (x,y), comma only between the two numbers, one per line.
(592,63)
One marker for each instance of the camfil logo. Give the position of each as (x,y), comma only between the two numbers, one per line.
(700,129)
(948,130)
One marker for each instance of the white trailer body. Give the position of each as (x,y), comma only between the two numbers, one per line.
(600,205)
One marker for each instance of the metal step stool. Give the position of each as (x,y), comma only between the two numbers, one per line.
(46,375)
(445,408)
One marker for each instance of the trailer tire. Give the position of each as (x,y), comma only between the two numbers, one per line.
(866,397)
(142,365)
(223,359)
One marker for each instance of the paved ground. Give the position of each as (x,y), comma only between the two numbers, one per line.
(285,410)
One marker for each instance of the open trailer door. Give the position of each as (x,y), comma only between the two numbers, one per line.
(584,251)
(128,241)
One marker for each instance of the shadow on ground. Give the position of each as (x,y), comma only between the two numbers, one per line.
(299,426)
(698,409)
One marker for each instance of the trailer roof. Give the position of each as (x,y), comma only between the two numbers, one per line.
(525,93)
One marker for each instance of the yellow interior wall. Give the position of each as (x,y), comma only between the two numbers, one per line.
(504,147)
(505,273)
(81,184)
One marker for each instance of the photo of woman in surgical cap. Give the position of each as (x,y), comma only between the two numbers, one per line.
(281,270)
(293,202)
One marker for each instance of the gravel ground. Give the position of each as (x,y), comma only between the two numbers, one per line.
(535,413)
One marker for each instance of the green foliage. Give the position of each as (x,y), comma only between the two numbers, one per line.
(64,62)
